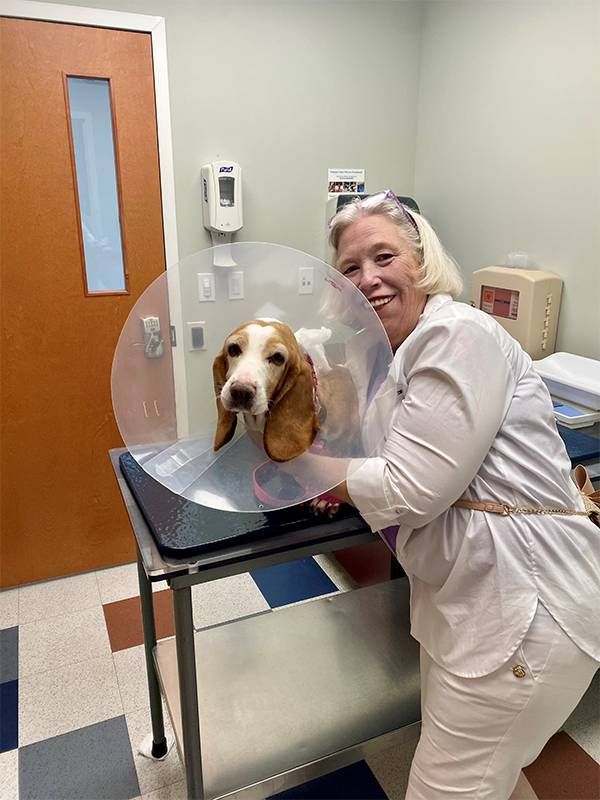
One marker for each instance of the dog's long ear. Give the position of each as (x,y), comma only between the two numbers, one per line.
(292,423)
(226,420)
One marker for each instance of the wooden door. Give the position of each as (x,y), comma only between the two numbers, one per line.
(61,510)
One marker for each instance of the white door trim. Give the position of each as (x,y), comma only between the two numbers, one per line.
(103,18)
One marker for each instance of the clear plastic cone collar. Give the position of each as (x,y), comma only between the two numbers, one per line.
(245,388)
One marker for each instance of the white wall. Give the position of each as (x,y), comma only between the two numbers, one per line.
(289,89)
(508,143)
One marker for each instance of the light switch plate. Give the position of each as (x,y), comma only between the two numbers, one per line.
(306,280)
(196,335)
(206,287)
(236,285)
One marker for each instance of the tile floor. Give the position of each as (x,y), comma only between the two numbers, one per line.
(74,704)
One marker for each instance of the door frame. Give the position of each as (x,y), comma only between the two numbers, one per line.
(155,26)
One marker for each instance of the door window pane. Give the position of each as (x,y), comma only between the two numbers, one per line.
(93,143)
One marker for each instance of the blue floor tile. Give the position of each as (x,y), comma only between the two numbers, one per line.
(9,654)
(9,716)
(94,762)
(292,582)
(355,782)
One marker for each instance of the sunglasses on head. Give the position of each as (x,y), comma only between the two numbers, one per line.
(373,199)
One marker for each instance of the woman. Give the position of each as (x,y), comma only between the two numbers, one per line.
(506,607)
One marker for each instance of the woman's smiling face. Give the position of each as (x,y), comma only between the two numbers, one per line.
(374,254)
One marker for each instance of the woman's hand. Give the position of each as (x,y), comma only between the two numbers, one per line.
(314,471)
(329,503)
(324,505)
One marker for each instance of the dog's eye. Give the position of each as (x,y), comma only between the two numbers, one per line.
(276,359)
(234,350)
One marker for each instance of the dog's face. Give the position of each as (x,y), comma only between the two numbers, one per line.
(262,370)
(256,356)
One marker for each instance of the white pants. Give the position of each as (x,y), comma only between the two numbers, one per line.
(477,733)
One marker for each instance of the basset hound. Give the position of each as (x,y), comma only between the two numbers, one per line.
(263,373)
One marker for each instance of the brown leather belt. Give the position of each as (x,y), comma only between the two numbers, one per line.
(591,500)
(505,510)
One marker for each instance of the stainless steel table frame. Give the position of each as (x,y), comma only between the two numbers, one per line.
(284,696)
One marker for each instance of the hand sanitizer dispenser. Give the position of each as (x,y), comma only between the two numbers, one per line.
(222,205)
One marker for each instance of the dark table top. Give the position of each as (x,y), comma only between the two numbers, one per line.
(583,444)
(183,529)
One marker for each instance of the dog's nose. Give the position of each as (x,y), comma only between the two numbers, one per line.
(242,395)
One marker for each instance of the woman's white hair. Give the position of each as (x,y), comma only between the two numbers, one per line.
(438,271)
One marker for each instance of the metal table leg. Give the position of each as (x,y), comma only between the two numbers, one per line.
(188,691)
(159,741)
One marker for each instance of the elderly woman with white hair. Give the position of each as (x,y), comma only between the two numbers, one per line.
(473,493)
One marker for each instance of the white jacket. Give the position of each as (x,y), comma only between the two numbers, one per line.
(465,415)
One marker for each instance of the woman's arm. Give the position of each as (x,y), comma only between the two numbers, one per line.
(459,387)
(313,470)
(341,492)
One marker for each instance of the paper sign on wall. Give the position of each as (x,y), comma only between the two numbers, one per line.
(341,181)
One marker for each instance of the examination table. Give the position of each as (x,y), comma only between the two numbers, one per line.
(267,702)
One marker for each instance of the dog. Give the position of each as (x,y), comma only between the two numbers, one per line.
(263,373)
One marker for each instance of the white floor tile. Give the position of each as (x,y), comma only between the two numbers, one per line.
(119,583)
(391,768)
(130,666)
(334,570)
(226,599)
(41,601)
(59,641)
(175,792)
(67,698)
(9,775)
(151,774)
(587,736)
(9,608)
